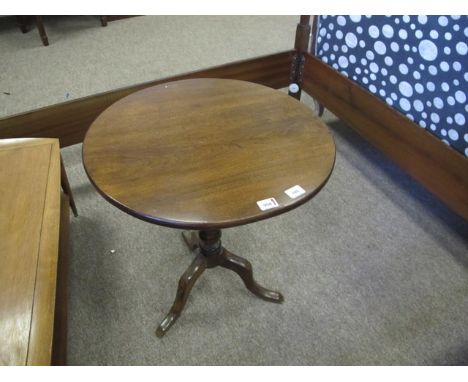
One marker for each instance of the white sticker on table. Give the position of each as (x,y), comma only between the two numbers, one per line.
(267,204)
(295,191)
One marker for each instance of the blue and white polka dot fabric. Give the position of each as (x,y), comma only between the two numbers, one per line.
(417,64)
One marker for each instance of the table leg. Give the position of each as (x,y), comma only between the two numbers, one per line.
(186,283)
(211,254)
(191,239)
(41,29)
(66,187)
(244,269)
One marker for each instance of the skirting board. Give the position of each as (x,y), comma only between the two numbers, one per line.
(442,170)
(69,121)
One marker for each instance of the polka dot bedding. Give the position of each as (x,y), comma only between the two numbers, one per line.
(416,64)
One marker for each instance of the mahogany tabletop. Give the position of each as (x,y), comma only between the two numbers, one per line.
(200,153)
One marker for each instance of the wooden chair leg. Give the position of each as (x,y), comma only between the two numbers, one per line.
(41,29)
(21,21)
(103,21)
(66,187)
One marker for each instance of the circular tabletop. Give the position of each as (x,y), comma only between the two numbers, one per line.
(208,153)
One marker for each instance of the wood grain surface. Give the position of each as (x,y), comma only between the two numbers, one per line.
(200,153)
(29,232)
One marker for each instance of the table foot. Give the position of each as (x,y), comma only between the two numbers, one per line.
(244,269)
(186,283)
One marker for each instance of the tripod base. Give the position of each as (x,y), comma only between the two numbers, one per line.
(211,254)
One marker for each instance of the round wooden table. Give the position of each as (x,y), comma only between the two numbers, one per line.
(207,154)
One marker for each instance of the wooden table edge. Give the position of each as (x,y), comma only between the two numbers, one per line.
(43,310)
(218,225)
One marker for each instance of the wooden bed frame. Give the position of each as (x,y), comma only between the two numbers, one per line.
(441,169)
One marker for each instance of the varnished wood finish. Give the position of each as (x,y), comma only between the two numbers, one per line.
(186,283)
(29,232)
(313,38)
(66,187)
(212,254)
(199,154)
(441,169)
(319,108)
(59,348)
(69,121)
(302,34)
(300,47)
(244,269)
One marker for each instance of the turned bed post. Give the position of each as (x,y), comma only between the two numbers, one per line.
(319,108)
(300,47)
